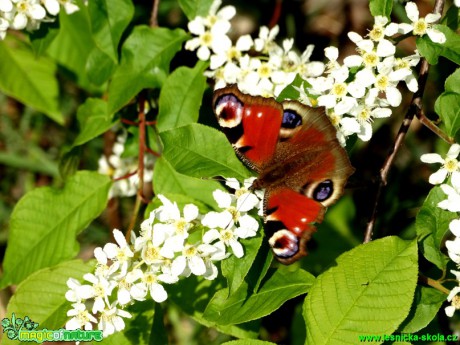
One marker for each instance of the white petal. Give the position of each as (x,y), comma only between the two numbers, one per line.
(385,48)
(412,11)
(354,37)
(353,61)
(412,83)
(197,265)
(431,158)
(139,291)
(158,293)
(450,310)
(454,150)
(37,12)
(246,202)
(19,21)
(393,96)
(350,125)
(190,212)
(203,53)
(436,36)
(52,6)
(332,53)
(111,250)
(404,28)
(178,265)
(391,29)
(227,12)
(222,198)
(6,6)
(438,177)
(432,17)
(100,256)
(366,132)
(328,101)
(237,248)
(196,26)
(123,296)
(244,43)
(211,236)
(454,227)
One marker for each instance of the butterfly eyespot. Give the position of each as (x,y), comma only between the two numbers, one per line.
(284,243)
(291,119)
(323,191)
(229,110)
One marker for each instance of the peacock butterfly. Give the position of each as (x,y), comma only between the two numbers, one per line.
(299,161)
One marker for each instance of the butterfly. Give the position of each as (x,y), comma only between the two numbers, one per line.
(300,163)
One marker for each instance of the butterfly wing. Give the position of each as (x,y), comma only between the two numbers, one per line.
(307,173)
(251,123)
(301,165)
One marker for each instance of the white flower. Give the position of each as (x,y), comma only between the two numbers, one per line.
(4,25)
(386,81)
(364,115)
(101,289)
(81,318)
(78,292)
(452,203)
(190,261)
(266,40)
(151,283)
(234,53)
(450,164)
(422,26)
(228,237)
(404,65)
(455,301)
(120,253)
(111,320)
(28,12)
(211,31)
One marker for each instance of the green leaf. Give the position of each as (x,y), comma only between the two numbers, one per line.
(93,120)
(431,225)
(370,291)
(69,162)
(447,105)
(193,294)
(166,180)
(73,44)
(41,296)
(158,335)
(451,18)
(381,7)
(28,79)
(426,305)
(248,342)
(280,285)
(235,269)
(45,222)
(145,59)
(181,97)
(108,22)
(41,39)
(109,19)
(432,51)
(201,151)
(193,8)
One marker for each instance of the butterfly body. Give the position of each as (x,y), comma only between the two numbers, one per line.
(299,162)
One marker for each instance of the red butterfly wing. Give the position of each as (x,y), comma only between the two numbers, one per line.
(252,124)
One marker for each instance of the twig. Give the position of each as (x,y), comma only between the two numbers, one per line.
(154,14)
(415,109)
(140,169)
(433,283)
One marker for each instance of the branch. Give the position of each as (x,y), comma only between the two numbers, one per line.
(140,168)
(415,109)
(154,14)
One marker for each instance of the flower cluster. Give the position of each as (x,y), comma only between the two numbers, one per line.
(353,93)
(124,169)
(28,14)
(171,245)
(450,168)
